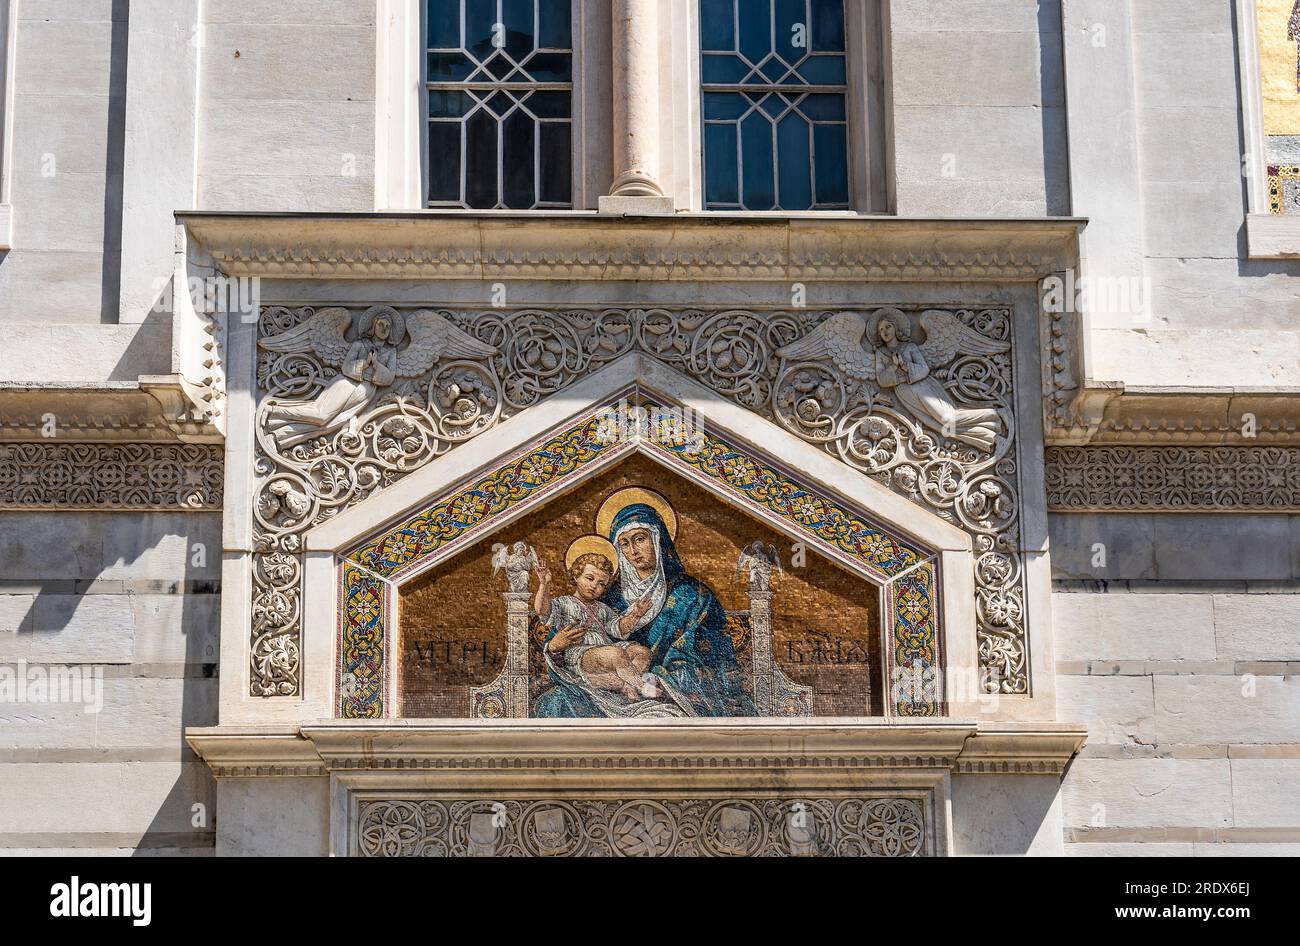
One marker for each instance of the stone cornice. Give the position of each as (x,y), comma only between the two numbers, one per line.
(1114,413)
(578,246)
(695,745)
(154,409)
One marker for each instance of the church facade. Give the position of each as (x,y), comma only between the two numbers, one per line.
(650,427)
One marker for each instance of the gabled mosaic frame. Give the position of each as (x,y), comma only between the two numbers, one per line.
(370,572)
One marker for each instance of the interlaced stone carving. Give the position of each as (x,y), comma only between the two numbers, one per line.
(142,476)
(642,827)
(920,400)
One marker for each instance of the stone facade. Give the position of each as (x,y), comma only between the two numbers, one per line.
(213,516)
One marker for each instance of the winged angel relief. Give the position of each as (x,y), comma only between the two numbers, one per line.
(894,362)
(374,360)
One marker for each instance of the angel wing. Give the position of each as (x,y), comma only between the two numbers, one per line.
(840,339)
(499,557)
(433,337)
(946,335)
(741,563)
(324,333)
(774,557)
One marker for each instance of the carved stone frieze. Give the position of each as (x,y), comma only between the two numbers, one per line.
(354,399)
(1173,479)
(108,476)
(642,827)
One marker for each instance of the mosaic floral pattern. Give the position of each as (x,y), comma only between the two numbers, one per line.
(1283,188)
(915,655)
(363,602)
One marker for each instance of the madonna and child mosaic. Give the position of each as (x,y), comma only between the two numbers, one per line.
(643,595)
(635,578)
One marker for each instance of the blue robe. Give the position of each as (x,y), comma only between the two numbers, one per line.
(691,650)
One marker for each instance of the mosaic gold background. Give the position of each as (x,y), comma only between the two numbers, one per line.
(826,623)
(1278,67)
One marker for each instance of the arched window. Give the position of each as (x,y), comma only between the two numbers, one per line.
(499,80)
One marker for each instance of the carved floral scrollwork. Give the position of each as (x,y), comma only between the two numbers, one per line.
(921,401)
(642,827)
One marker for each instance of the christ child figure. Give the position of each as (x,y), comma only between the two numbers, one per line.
(591,636)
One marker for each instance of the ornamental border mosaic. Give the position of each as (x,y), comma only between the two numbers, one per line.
(527,478)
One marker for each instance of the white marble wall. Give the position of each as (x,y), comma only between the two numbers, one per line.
(1181,655)
(121,594)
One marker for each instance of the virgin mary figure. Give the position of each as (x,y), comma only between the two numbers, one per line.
(684,627)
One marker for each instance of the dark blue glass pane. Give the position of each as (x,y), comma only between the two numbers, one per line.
(481,161)
(555,30)
(757,187)
(717,25)
(444,24)
(447,104)
(449,67)
(774,105)
(500,67)
(774,69)
(724,69)
(724,105)
(557,168)
(518,17)
(830,153)
(823,108)
(794,159)
(720,165)
(444,161)
(549,104)
(755,29)
(480,16)
(550,67)
(519,161)
(789,15)
(827,26)
(823,70)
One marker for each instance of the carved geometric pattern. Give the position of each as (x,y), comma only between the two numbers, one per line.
(538,353)
(642,827)
(135,476)
(456,519)
(1173,479)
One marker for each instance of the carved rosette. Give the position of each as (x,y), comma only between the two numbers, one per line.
(642,827)
(732,351)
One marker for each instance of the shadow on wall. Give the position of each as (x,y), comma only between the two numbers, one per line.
(1051,77)
(138,596)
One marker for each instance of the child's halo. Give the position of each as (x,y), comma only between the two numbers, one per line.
(594,544)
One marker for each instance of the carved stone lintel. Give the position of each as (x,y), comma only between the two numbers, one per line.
(476,826)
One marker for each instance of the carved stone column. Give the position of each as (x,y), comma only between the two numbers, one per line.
(636,187)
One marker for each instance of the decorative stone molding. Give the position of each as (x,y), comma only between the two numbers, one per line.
(921,400)
(580,246)
(125,414)
(1173,479)
(120,476)
(827,826)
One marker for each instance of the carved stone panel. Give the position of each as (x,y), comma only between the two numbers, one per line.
(642,827)
(353,399)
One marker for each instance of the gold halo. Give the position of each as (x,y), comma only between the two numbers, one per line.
(591,543)
(630,497)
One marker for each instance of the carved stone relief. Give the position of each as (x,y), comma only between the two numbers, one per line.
(142,476)
(642,827)
(920,400)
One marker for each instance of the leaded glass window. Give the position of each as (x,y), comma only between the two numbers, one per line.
(500,92)
(775,82)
